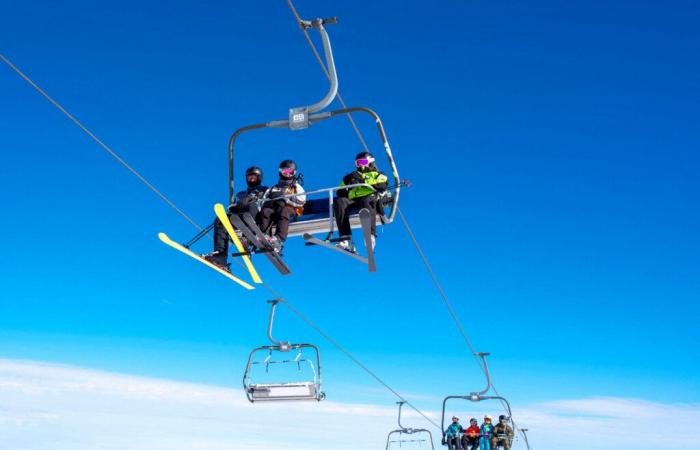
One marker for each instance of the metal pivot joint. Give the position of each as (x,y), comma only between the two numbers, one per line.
(299,116)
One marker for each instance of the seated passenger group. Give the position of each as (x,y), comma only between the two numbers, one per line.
(280,204)
(475,437)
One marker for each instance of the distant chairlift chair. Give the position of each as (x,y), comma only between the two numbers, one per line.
(268,356)
(416,437)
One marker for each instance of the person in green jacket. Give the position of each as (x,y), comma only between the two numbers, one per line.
(359,197)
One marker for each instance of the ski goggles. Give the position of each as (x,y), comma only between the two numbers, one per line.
(364,162)
(287,172)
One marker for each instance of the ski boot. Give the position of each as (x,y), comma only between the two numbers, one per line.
(217,258)
(348,245)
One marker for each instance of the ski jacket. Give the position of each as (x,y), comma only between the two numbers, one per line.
(473,429)
(454,430)
(249,196)
(487,430)
(376,179)
(503,429)
(284,187)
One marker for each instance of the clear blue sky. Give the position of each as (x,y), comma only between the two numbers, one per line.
(553,150)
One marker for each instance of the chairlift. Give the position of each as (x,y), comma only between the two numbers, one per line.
(477,396)
(304,358)
(318,214)
(409,437)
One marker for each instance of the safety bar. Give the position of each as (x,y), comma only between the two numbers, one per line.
(313,119)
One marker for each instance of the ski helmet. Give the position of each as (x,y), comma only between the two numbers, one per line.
(501,417)
(364,161)
(254,170)
(288,169)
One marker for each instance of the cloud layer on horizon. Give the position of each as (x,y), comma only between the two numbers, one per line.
(54,407)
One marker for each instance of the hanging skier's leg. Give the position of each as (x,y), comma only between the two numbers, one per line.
(266,216)
(370,203)
(219,256)
(342,220)
(285,214)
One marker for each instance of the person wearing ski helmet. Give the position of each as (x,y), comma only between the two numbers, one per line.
(470,439)
(366,173)
(502,434)
(486,434)
(245,202)
(286,201)
(452,434)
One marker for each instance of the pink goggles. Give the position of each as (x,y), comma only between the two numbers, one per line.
(287,171)
(364,162)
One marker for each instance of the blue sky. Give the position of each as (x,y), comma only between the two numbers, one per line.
(553,152)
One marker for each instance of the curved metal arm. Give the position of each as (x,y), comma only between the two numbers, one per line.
(400,406)
(283,345)
(478,398)
(330,66)
(483,356)
(523,431)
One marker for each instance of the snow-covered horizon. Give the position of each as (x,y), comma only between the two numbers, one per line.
(46,406)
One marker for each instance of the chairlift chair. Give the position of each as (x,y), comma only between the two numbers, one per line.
(418,437)
(477,396)
(294,355)
(318,214)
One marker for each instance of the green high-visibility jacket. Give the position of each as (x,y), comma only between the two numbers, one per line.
(373,178)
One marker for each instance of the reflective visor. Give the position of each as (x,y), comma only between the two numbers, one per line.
(362,162)
(288,171)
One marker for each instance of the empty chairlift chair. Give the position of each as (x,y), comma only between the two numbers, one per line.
(283,371)
(403,437)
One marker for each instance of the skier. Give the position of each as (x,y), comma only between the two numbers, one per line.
(452,435)
(245,202)
(359,196)
(486,434)
(503,434)
(470,440)
(281,211)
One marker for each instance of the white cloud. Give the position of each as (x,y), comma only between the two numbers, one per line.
(53,407)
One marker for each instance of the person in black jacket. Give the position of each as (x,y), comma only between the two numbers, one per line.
(280,211)
(245,203)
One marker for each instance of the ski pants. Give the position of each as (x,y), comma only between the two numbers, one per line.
(495,442)
(278,213)
(485,443)
(342,218)
(470,443)
(453,443)
(221,237)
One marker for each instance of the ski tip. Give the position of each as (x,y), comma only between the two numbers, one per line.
(218,207)
(163,237)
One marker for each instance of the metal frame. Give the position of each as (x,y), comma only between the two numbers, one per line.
(256,392)
(405,430)
(477,396)
(303,117)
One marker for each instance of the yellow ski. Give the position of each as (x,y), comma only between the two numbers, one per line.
(164,237)
(223,217)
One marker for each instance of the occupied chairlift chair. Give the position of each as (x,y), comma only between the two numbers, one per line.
(318,213)
(294,355)
(478,396)
(412,436)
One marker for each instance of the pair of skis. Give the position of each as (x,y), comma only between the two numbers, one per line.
(252,232)
(366,223)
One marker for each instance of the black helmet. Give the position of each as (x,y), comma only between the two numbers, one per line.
(364,161)
(288,169)
(501,417)
(254,170)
